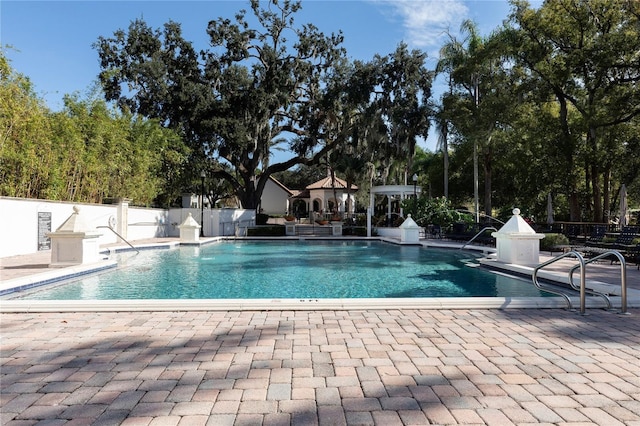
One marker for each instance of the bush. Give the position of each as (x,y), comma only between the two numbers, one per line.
(261,219)
(437,211)
(551,240)
(267,231)
(358,231)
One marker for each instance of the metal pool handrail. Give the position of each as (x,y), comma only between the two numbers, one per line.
(623,277)
(581,265)
(477,235)
(120,236)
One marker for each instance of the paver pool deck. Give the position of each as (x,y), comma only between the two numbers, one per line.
(330,367)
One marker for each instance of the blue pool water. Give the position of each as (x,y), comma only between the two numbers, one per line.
(291,270)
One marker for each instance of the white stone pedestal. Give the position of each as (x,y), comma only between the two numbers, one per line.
(290,229)
(409,231)
(74,242)
(336,229)
(189,230)
(517,242)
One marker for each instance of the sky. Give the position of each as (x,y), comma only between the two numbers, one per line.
(51,41)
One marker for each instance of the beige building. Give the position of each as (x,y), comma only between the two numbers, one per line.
(325,197)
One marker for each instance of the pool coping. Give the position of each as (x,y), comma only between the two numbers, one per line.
(62,274)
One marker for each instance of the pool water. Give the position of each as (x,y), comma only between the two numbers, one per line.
(292,270)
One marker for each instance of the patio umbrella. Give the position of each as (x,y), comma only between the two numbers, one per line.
(549,210)
(624,207)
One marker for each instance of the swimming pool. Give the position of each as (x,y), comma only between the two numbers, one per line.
(291,270)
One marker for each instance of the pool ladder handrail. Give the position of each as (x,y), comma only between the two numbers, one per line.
(623,278)
(581,265)
(477,235)
(120,236)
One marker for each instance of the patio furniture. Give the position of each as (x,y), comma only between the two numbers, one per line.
(624,240)
(632,255)
(597,235)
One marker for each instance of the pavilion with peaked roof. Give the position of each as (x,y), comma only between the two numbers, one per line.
(321,199)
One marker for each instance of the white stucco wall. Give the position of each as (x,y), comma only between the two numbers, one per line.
(216,222)
(19,222)
(325,195)
(147,223)
(274,199)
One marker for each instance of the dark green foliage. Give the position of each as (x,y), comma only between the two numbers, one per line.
(267,231)
(253,87)
(261,89)
(432,211)
(262,219)
(550,241)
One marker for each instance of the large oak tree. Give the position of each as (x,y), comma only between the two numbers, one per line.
(254,89)
(265,84)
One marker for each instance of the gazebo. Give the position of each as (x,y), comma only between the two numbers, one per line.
(392,192)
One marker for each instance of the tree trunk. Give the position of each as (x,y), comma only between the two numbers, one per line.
(574,206)
(606,195)
(567,145)
(335,192)
(487,183)
(595,176)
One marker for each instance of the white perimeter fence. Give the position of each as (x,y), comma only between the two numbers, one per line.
(25,222)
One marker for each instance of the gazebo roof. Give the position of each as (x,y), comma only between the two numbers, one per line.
(325,183)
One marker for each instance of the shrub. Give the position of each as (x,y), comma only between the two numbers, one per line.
(267,231)
(551,240)
(261,219)
(357,231)
(436,211)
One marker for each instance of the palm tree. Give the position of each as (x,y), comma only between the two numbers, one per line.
(476,93)
(459,61)
(442,129)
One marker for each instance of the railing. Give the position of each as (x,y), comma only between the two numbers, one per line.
(481,215)
(581,265)
(623,278)
(486,228)
(119,236)
(386,221)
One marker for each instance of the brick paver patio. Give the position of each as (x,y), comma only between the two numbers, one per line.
(369,367)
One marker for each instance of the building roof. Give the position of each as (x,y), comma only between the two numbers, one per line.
(301,194)
(325,183)
(281,185)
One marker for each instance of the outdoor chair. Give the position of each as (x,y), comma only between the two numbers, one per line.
(573,233)
(624,241)
(597,235)
(632,255)
(459,232)
(436,231)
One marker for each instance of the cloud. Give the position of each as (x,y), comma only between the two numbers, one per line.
(426,22)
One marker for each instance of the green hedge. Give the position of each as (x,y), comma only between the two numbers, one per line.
(551,240)
(267,231)
(359,231)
